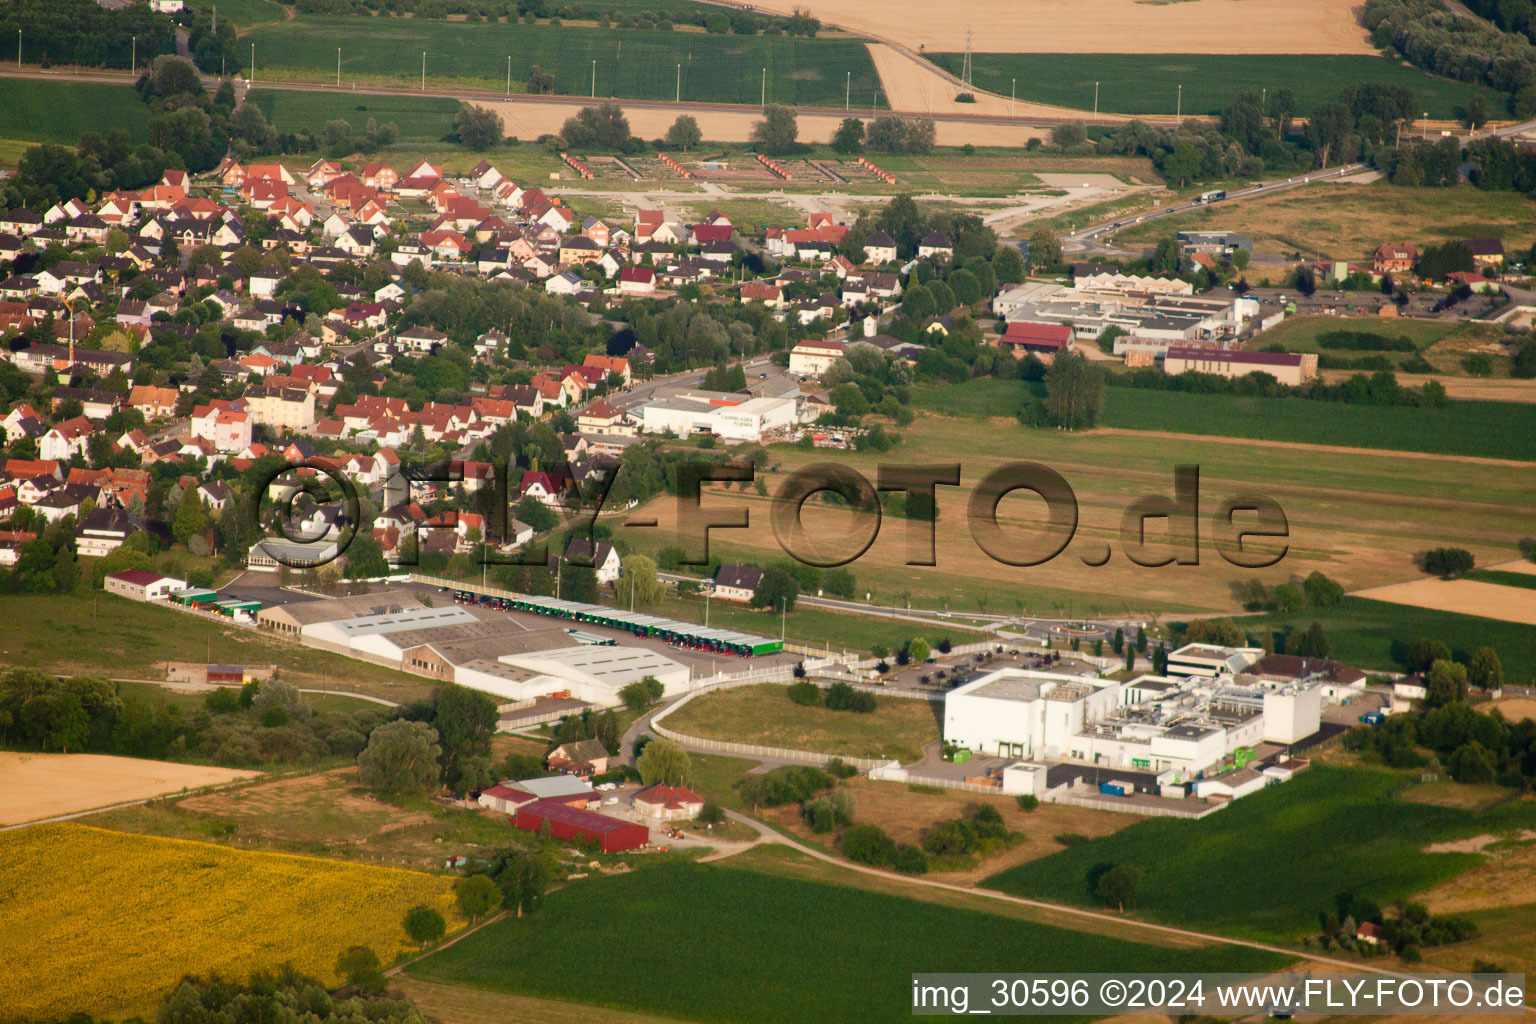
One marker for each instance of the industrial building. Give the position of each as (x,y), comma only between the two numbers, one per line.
(576,825)
(731,417)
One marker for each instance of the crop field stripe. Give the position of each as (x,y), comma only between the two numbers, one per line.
(1500,430)
(1149,83)
(39,110)
(775,948)
(630,63)
(1525,581)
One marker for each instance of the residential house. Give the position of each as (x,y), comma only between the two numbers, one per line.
(737,582)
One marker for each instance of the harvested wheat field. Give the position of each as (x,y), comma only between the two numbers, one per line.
(1478,389)
(1102,26)
(38,786)
(1520,566)
(1517,708)
(915,86)
(1469,597)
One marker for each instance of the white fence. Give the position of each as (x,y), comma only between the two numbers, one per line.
(751,749)
(1064,795)
(899,774)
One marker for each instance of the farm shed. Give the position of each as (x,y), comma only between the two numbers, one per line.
(140,585)
(612,835)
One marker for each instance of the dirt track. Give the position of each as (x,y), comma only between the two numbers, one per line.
(47,785)
(1101,26)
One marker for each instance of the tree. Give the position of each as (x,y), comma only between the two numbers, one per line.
(465,720)
(919,649)
(1182,164)
(191,519)
(401,757)
(1310,643)
(1445,683)
(1485,671)
(1044,249)
(477,895)
(360,966)
(424,924)
(479,128)
(867,844)
(1475,114)
(1472,764)
(1425,652)
(1074,392)
(601,127)
(1286,597)
(684,133)
(1448,563)
(1322,591)
(1117,886)
(849,137)
(638,585)
(1008,265)
(777,132)
(1327,126)
(777,590)
(1282,108)
(663,761)
(642,693)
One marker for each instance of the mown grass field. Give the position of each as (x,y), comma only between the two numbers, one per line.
(816,627)
(1149,83)
(106,923)
(717,943)
(36,110)
(1377,634)
(1264,867)
(764,715)
(112,636)
(630,63)
(421,119)
(1500,430)
(241,13)
(1348,221)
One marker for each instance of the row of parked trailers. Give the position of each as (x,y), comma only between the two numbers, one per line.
(684,634)
(212,601)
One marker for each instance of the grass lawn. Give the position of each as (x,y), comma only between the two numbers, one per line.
(1148,83)
(751,214)
(113,636)
(1377,634)
(1500,430)
(714,777)
(816,627)
(1339,221)
(38,110)
(1526,581)
(421,119)
(1265,866)
(764,715)
(1504,937)
(241,13)
(630,62)
(1299,333)
(776,949)
(980,397)
(1445,793)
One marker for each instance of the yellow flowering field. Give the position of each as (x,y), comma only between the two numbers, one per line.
(107,922)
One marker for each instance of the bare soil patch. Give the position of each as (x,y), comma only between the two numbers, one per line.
(324,808)
(1469,597)
(1102,26)
(916,86)
(1517,708)
(41,786)
(1507,879)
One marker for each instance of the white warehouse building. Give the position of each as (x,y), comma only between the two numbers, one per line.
(1018,713)
(731,417)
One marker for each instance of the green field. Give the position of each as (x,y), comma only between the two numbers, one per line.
(421,119)
(1501,430)
(764,715)
(1265,867)
(807,625)
(981,396)
(1149,83)
(1299,333)
(34,110)
(630,63)
(717,943)
(241,13)
(1376,634)
(1525,581)
(113,636)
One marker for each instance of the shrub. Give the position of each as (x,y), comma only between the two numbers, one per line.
(787,785)
(1071,838)
(1028,802)
(840,769)
(1448,563)
(868,844)
(806,693)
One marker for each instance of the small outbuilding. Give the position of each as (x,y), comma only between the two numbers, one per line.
(140,585)
(668,803)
